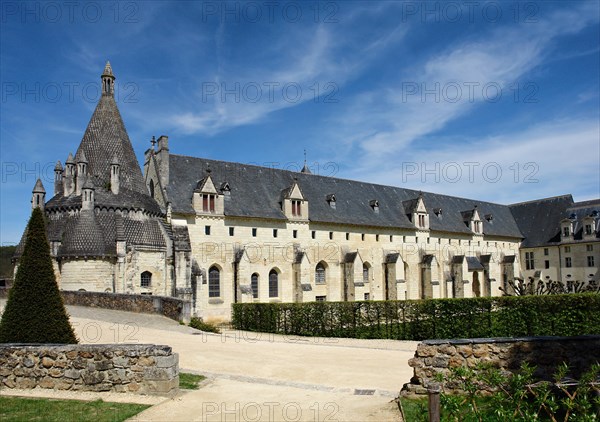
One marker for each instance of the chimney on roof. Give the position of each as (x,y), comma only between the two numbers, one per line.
(58,178)
(38,197)
(69,177)
(108,80)
(115,175)
(162,158)
(82,163)
(87,195)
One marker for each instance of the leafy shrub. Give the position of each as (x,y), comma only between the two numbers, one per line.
(198,324)
(508,316)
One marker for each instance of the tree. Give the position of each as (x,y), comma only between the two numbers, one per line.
(35,312)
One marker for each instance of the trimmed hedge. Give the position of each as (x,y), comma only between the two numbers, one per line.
(507,316)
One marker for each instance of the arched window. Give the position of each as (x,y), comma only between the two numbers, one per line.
(320,274)
(214,282)
(146,279)
(254,285)
(152,188)
(273,284)
(366,273)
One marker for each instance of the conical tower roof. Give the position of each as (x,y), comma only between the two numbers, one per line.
(106,138)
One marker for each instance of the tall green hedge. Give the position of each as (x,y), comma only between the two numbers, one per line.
(35,312)
(555,315)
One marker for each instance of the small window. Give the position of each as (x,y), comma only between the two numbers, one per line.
(421,220)
(273,284)
(365,273)
(391,238)
(208,203)
(428,240)
(588,229)
(2,283)
(146,279)
(295,234)
(152,188)
(590,261)
(320,274)
(207,230)
(589,248)
(362,237)
(567,249)
(321,298)
(274,232)
(231,231)
(566,231)
(347,236)
(214,282)
(367,296)
(254,232)
(376,238)
(330,235)
(313,234)
(546,264)
(529,261)
(254,285)
(568,262)
(545,251)
(296,208)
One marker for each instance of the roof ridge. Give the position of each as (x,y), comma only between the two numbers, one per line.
(567,195)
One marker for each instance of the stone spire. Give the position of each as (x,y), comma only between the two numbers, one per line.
(38,197)
(108,80)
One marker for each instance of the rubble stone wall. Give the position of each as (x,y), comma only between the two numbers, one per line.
(139,369)
(545,353)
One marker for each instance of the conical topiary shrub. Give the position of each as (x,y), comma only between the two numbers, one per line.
(35,312)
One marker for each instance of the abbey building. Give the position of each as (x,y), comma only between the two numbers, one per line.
(216,232)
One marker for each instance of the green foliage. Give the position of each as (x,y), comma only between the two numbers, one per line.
(25,409)
(35,312)
(6,266)
(508,316)
(492,395)
(190,381)
(198,324)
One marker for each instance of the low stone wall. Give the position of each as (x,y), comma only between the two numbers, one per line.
(171,307)
(139,369)
(545,353)
(177,309)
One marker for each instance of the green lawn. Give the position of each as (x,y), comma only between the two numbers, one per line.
(189,381)
(49,410)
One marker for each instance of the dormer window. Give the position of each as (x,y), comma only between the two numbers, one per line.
(374,204)
(208,203)
(477,226)
(331,200)
(588,229)
(422,221)
(225,189)
(566,231)
(296,208)
(489,217)
(437,212)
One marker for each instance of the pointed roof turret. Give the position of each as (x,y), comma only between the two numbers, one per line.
(70,159)
(39,187)
(89,184)
(82,158)
(115,161)
(108,70)
(58,166)
(106,139)
(108,80)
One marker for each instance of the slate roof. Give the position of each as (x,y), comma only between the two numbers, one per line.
(581,210)
(106,138)
(256,192)
(103,197)
(539,220)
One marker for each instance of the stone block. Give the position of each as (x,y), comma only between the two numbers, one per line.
(47,362)
(103,365)
(167,361)
(47,382)
(426,351)
(56,372)
(24,383)
(91,378)
(72,374)
(86,355)
(440,361)
(64,384)
(465,350)
(146,361)
(120,362)
(159,374)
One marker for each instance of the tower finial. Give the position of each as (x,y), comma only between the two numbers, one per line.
(108,80)
(305,169)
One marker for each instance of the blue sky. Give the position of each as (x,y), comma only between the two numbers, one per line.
(496,101)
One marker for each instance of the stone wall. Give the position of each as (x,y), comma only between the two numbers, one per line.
(138,369)
(171,307)
(545,353)
(177,309)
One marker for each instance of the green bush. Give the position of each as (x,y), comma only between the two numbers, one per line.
(198,324)
(35,312)
(508,316)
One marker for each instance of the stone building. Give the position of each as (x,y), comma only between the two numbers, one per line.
(217,232)
(561,239)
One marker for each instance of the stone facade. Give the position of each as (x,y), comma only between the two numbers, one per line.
(546,353)
(137,369)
